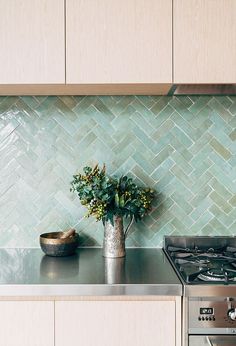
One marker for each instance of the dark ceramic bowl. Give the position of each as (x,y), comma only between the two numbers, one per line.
(52,245)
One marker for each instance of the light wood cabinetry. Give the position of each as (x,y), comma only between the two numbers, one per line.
(90,321)
(26,323)
(204,41)
(115,47)
(32,42)
(118,41)
(116,323)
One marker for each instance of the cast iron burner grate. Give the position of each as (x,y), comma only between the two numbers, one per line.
(217,265)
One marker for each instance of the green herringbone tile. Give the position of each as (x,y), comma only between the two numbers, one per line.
(184,147)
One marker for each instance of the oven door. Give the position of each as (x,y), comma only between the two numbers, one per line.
(216,340)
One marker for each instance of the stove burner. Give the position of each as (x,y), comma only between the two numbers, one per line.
(217,274)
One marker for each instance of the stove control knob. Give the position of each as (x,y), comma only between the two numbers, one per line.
(232,314)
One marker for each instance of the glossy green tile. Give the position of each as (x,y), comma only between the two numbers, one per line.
(184,147)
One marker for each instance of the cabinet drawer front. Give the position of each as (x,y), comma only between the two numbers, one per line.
(26,323)
(116,323)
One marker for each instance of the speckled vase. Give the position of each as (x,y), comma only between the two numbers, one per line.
(114,238)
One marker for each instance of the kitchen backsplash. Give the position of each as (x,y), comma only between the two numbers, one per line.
(184,147)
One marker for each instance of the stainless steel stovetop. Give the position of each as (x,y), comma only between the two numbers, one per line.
(205,265)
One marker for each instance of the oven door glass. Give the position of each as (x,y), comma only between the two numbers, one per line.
(219,340)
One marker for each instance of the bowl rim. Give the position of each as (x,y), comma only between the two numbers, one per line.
(45,239)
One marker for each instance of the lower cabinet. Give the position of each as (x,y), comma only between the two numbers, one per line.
(115,323)
(26,323)
(91,321)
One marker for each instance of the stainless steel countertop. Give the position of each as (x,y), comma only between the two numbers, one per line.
(27,272)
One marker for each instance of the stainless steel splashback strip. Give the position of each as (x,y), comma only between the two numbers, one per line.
(202,242)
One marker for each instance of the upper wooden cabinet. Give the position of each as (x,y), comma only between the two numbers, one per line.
(32,42)
(115,47)
(204,41)
(118,41)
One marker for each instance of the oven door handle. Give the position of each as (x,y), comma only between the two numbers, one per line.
(220,341)
(212,340)
(209,342)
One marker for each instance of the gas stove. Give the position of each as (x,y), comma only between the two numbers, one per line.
(207,268)
(195,265)
(207,261)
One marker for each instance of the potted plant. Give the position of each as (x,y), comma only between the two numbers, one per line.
(110,200)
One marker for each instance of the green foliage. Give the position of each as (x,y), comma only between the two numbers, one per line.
(105,196)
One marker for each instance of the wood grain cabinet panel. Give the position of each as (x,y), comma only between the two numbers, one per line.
(32,42)
(204,41)
(26,323)
(116,323)
(111,41)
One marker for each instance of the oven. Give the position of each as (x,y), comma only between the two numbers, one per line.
(207,268)
(212,340)
(211,321)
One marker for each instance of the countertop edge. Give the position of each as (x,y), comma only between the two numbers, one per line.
(45,290)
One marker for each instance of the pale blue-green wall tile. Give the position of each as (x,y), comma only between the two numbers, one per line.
(182,146)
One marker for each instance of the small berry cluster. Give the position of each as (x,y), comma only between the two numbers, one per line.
(97,209)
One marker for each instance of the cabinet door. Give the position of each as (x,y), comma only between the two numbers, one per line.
(32,42)
(204,41)
(116,323)
(118,41)
(26,323)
